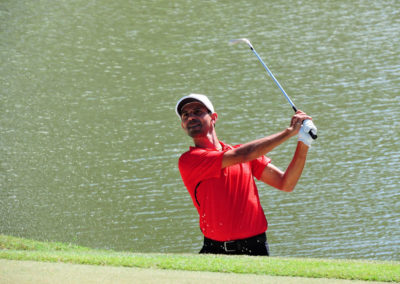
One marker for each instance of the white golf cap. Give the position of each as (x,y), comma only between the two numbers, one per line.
(193,98)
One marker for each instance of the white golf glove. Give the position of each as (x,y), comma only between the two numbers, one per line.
(304,135)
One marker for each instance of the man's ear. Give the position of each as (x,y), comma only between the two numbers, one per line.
(214,117)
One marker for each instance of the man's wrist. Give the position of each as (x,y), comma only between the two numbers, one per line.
(303,145)
(304,137)
(290,131)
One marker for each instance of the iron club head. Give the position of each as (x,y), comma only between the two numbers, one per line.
(245,40)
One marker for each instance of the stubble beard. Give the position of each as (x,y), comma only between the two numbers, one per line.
(197,131)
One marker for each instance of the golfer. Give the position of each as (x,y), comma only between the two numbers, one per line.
(220,178)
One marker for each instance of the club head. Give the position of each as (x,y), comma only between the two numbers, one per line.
(245,40)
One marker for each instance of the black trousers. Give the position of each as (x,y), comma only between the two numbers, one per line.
(256,245)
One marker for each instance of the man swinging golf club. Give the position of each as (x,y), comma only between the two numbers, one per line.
(220,177)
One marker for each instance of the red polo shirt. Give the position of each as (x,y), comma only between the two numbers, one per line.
(226,199)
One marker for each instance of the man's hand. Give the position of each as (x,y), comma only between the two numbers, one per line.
(301,123)
(297,120)
(304,133)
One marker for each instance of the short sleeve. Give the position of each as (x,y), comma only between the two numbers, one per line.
(258,165)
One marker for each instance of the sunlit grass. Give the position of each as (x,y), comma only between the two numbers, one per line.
(23,249)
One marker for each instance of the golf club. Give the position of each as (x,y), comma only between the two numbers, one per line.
(245,40)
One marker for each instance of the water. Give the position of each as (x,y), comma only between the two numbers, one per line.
(90,141)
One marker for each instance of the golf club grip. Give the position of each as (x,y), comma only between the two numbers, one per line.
(313,136)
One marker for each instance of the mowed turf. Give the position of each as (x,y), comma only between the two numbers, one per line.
(180,266)
(20,272)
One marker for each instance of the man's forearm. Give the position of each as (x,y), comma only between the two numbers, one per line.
(255,149)
(262,146)
(295,168)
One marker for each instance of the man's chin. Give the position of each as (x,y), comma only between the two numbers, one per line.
(195,133)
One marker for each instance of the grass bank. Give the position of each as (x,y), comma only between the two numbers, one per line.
(13,248)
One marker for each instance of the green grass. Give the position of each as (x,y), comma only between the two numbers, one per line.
(22,249)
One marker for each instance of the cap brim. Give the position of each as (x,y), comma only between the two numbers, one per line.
(193,98)
(184,102)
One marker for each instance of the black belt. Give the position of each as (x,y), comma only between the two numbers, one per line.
(237,245)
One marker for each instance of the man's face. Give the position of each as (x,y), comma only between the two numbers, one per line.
(196,120)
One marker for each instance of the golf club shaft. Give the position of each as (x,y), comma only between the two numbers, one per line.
(234,41)
(273,78)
